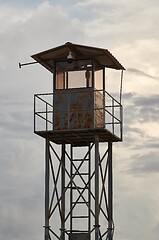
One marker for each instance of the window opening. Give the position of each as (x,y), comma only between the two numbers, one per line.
(77,74)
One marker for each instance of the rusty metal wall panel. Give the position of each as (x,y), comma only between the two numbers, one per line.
(99,110)
(60,110)
(74,108)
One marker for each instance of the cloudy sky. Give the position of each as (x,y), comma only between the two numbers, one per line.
(129,29)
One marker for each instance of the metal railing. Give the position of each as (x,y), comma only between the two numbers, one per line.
(114,112)
(44,112)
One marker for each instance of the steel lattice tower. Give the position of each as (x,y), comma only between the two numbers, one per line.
(79,121)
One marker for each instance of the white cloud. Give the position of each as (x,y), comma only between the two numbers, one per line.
(129,30)
(29,31)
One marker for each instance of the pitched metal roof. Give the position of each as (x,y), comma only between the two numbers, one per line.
(102,56)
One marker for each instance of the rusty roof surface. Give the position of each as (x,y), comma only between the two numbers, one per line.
(102,56)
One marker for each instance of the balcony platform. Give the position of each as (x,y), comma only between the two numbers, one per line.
(78,137)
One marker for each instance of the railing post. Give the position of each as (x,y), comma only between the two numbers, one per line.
(121,122)
(34,112)
(46,116)
(104,117)
(52,116)
(113,115)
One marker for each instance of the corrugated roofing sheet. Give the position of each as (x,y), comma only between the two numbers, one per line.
(102,56)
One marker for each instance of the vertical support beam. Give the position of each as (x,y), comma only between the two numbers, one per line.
(89,186)
(34,113)
(63,193)
(121,123)
(96,187)
(104,102)
(110,193)
(46,237)
(71,191)
(93,73)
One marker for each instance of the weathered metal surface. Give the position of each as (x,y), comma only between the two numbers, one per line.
(99,110)
(73,109)
(53,122)
(78,109)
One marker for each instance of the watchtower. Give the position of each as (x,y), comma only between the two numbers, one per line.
(79,121)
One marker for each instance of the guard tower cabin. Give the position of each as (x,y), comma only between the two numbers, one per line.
(75,119)
(79,105)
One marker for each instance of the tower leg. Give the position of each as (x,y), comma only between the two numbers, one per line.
(81,184)
(46,237)
(110,193)
(96,187)
(63,193)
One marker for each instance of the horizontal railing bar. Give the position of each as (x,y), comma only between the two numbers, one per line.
(75,188)
(115,114)
(44,118)
(42,94)
(112,106)
(83,110)
(75,174)
(79,160)
(108,123)
(78,231)
(44,101)
(95,90)
(44,112)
